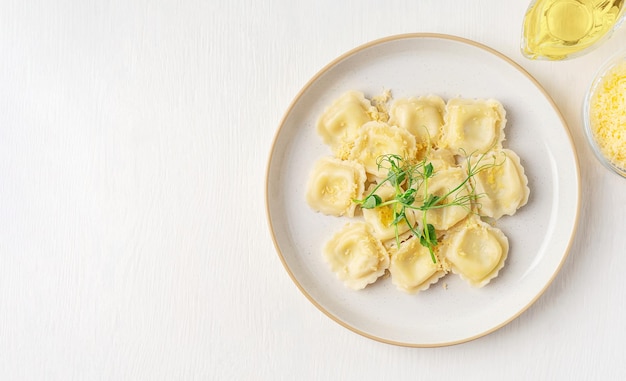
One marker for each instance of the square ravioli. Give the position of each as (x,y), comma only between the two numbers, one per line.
(412,268)
(333,184)
(502,186)
(473,126)
(355,256)
(421,116)
(377,139)
(381,218)
(340,123)
(476,251)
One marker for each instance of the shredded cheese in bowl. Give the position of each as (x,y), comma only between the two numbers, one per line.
(605,114)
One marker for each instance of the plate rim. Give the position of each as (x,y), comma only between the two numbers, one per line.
(380,41)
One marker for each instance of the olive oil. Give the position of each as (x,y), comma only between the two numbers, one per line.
(560,29)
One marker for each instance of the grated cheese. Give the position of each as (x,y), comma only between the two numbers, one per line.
(607,114)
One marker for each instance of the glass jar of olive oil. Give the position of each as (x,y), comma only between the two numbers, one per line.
(561,29)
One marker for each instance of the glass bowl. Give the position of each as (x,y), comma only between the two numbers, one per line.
(604,114)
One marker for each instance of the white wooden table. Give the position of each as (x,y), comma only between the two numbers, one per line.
(134,137)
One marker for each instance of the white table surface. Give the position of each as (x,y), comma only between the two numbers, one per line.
(134,138)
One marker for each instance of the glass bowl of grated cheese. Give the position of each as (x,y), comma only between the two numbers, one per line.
(604,114)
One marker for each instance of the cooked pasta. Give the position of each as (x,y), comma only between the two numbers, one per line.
(418,181)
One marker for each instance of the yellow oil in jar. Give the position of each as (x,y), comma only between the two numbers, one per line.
(559,29)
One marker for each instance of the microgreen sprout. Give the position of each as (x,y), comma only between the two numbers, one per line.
(407,178)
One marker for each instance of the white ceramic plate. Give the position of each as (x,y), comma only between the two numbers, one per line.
(540,233)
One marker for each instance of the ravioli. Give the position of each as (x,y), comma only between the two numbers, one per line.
(333,184)
(381,218)
(473,126)
(416,131)
(440,158)
(502,188)
(356,256)
(377,139)
(439,185)
(340,123)
(476,251)
(412,268)
(422,117)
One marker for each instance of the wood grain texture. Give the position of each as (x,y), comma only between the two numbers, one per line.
(134,137)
